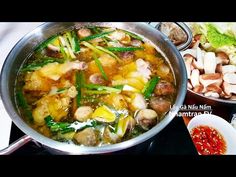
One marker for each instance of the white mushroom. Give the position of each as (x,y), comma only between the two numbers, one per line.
(198,63)
(228,69)
(222,58)
(198,89)
(146,118)
(189,85)
(209,62)
(212,94)
(195,77)
(219,68)
(229,88)
(188,62)
(83,113)
(84,32)
(214,88)
(192,52)
(230,78)
(207,79)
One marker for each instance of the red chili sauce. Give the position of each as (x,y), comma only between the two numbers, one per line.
(208,141)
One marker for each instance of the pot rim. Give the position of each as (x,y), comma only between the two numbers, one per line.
(75,149)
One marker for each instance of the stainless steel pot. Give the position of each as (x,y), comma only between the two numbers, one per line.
(26,45)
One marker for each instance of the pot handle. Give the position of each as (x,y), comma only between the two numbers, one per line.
(15,145)
(184,27)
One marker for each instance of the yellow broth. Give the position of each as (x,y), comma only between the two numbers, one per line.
(94,85)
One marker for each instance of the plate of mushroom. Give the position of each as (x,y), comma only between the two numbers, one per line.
(211,62)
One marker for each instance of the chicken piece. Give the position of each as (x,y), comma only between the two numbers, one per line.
(143,68)
(127,55)
(55,70)
(97,78)
(84,32)
(83,113)
(108,64)
(164,88)
(146,118)
(136,43)
(160,104)
(116,100)
(87,137)
(138,102)
(54,105)
(35,82)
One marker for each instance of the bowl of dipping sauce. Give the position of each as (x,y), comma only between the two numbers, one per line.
(212,135)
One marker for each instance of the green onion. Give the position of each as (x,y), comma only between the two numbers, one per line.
(75,42)
(24,105)
(150,86)
(78,85)
(99,65)
(44,44)
(68,46)
(93,48)
(108,52)
(101,88)
(63,48)
(123,49)
(133,35)
(100,92)
(96,36)
(65,127)
(40,63)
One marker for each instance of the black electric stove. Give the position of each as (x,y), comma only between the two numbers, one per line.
(172,140)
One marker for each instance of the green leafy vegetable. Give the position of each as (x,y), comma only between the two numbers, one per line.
(150,86)
(217,39)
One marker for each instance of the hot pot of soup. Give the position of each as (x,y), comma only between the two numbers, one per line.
(89,88)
